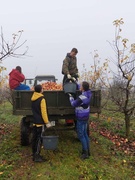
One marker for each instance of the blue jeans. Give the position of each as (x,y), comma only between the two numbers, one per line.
(82,134)
(22,87)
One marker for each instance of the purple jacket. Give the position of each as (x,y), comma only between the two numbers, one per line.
(82,105)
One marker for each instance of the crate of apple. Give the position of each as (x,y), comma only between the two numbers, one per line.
(51,86)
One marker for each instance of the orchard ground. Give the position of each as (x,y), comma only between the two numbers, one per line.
(112,154)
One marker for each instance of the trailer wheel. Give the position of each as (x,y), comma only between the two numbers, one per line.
(25,132)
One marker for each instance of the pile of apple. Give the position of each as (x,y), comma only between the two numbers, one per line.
(51,86)
(121,143)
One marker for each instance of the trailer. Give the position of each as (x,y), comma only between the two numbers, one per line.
(58,108)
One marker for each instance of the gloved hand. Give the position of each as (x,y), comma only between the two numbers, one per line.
(73,79)
(77,75)
(68,76)
(48,125)
(71,98)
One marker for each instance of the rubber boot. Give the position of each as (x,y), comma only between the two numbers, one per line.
(37,158)
(84,155)
(83,152)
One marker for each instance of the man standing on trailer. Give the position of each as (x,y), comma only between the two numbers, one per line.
(69,67)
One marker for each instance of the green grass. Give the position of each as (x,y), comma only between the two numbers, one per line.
(6,114)
(114,121)
(64,163)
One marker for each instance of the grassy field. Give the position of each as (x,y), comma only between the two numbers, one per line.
(106,161)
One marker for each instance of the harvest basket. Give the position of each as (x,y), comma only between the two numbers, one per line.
(70,87)
(50,142)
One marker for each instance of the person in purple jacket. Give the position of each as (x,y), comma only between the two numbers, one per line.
(82,112)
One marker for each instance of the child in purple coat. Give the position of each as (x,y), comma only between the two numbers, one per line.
(82,112)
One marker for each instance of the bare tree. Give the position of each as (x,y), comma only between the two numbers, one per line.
(117,86)
(97,73)
(10,49)
(122,88)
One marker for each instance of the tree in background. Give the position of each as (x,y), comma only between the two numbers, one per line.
(117,86)
(97,76)
(3,82)
(122,87)
(9,50)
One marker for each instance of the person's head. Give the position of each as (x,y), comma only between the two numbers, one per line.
(38,88)
(73,52)
(84,86)
(19,69)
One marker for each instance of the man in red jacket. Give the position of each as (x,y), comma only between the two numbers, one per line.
(15,79)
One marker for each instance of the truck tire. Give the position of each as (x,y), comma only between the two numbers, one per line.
(25,132)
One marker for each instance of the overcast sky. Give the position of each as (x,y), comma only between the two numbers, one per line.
(53,27)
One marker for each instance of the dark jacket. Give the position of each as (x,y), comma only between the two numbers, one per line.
(69,65)
(15,78)
(39,109)
(82,105)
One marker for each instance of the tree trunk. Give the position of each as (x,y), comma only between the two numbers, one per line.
(127,123)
